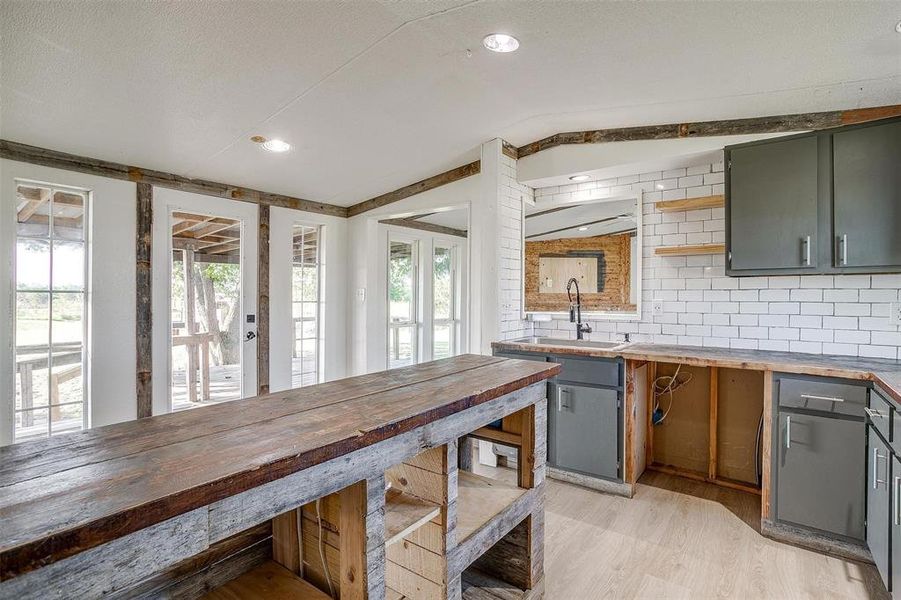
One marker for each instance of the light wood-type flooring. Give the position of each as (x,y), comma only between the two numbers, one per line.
(679,538)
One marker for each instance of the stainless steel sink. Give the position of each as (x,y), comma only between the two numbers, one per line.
(549,341)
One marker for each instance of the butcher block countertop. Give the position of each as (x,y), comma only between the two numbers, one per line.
(63,495)
(883,372)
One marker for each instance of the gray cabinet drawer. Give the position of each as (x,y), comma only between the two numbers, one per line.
(596,371)
(822,395)
(880,414)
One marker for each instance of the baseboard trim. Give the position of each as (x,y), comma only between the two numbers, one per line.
(814,540)
(602,485)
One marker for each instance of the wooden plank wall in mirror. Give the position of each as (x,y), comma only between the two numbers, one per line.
(598,242)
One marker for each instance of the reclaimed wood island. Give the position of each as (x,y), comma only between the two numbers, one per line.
(349,489)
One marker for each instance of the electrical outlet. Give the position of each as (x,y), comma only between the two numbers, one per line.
(656,307)
(894,315)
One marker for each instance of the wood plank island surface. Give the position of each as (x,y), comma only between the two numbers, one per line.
(64,495)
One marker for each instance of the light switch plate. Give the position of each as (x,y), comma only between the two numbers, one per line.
(894,315)
(656,307)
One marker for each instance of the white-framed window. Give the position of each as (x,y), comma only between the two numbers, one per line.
(306,304)
(50,325)
(445,300)
(403,301)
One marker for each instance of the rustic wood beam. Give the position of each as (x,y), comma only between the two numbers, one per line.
(81,164)
(771,124)
(263,302)
(509,149)
(424,226)
(200,257)
(425,185)
(143,304)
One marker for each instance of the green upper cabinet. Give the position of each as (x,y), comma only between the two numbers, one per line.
(824,202)
(867,196)
(773,212)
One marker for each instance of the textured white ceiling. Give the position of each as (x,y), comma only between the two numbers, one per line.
(375,95)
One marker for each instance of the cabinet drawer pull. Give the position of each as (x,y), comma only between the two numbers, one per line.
(843,243)
(873,414)
(788,431)
(876,458)
(806,243)
(823,398)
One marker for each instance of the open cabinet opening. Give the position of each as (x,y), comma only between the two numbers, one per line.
(705,423)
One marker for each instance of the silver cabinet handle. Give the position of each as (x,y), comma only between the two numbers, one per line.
(788,431)
(876,458)
(843,243)
(806,243)
(873,414)
(824,398)
(560,404)
(897,510)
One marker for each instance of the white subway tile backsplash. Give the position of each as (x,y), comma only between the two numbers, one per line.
(833,314)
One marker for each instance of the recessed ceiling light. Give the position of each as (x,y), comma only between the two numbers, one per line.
(500,42)
(276,146)
(583,229)
(898,26)
(580,178)
(660,186)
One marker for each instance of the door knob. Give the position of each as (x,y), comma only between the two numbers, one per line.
(250,335)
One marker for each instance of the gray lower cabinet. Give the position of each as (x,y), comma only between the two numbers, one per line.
(583,429)
(867,196)
(895,517)
(820,473)
(878,502)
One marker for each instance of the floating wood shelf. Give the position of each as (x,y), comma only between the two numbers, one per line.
(690,250)
(492,434)
(405,513)
(480,499)
(691,203)
(269,580)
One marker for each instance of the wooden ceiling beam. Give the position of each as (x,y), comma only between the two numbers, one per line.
(755,125)
(425,226)
(93,166)
(419,187)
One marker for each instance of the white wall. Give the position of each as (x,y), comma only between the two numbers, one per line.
(333,327)
(841,314)
(111,293)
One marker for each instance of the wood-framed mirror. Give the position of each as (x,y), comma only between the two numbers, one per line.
(596,241)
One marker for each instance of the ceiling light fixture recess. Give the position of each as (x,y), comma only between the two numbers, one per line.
(500,42)
(580,178)
(271,145)
(583,228)
(276,146)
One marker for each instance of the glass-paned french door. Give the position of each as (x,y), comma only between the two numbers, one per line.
(424,300)
(50,328)
(403,302)
(445,317)
(306,271)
